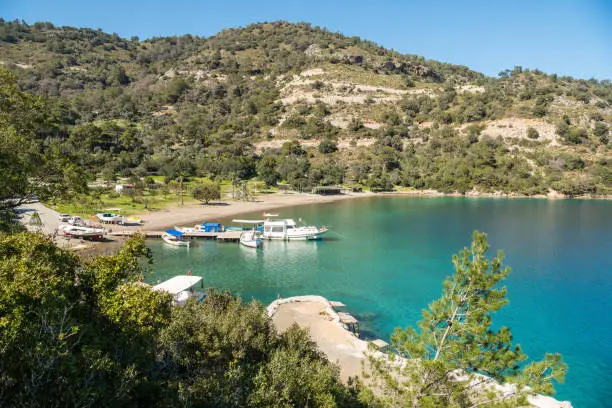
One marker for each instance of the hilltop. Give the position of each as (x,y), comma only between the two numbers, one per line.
(298,104)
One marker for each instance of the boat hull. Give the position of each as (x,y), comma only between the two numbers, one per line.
(168,240)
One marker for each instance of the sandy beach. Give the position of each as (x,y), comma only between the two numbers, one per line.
(190,214)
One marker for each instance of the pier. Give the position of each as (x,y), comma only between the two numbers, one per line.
(227,236)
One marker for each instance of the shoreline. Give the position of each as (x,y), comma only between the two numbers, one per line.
(190,214)
(317,315)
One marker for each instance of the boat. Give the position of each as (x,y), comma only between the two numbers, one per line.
(251,239)
(132,221)
(174,237)
(286,229)
(182,288)
(83,232)
(110,218)
(203,230)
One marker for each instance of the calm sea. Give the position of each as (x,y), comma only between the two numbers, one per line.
(386,258)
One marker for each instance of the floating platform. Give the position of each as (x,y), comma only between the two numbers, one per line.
(227,236)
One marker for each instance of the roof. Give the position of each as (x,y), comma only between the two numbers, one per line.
(174,232)
(249,221)
(212,224)
(178,284)
(379,343)
(347,318)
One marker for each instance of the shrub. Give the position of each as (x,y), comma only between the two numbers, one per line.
(532,133)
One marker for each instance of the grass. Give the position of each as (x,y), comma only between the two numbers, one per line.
(84,206)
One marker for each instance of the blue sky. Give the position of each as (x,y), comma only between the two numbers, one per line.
(566,37)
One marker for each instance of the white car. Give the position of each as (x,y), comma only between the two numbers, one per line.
(64,217)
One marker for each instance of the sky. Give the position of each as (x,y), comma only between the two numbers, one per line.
(556,36)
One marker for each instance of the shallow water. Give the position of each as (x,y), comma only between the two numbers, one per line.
(386,258)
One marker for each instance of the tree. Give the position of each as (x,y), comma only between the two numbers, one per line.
(206,191)
(74,333)
(455,350)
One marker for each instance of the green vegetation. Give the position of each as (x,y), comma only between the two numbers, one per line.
(206,191)
(456,349)
(76,334)
(195,107)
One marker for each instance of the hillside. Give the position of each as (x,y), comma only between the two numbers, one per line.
(298,104)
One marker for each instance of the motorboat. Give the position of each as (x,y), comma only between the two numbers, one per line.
(110,218)
(174,237)
(251,239)
(182,288)
(83,232)
(286,229)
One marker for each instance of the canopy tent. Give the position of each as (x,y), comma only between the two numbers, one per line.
(174,232)
(249,221)
(178,284)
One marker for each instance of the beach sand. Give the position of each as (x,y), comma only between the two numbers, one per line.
(191,214)
(339,345)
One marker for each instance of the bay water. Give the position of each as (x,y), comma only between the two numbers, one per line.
(386,259)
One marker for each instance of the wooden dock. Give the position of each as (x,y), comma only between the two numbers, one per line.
(227,236)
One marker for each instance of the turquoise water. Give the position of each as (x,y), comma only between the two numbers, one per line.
(386,258)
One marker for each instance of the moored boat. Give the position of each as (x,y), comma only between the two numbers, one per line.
(288,229)
(251,239)
(174,237)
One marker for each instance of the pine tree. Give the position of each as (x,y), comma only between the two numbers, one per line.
(455,356)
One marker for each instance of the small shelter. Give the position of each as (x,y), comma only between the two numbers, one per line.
(326,190)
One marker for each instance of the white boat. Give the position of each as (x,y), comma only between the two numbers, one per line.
(174,237)
(251,239)
(110,218)
(288,229)
(182,288)
(83,232)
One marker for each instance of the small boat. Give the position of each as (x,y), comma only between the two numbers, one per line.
(265,214)
(110,218)
(132,221)
(251,239)
(83,232)
(174,237)
(182,288)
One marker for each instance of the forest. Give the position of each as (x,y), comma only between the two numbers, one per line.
(240,106)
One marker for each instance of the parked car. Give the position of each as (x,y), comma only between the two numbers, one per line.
(64,217)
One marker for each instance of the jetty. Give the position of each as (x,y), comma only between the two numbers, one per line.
(226,236)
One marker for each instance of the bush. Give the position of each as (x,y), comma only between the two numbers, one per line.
(532,133)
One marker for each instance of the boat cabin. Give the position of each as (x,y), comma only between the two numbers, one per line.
(212,227)
(182,288)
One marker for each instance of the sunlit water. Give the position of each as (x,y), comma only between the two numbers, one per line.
(386,259)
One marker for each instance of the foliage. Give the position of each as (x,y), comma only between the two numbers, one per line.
(456,349)
(75,334)
(206,191)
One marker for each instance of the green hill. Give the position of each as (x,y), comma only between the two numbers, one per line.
(296,103)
